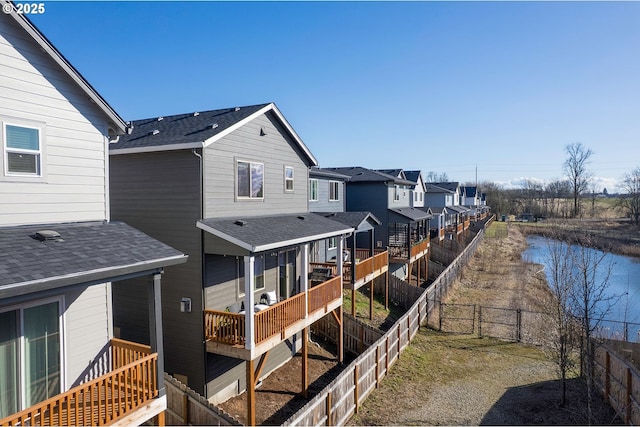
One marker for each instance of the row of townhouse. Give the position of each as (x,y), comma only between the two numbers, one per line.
(260,242)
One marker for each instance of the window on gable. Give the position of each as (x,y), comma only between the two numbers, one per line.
(288,178)
(313,190)
(396,193)
(334,195)
(23,150)
(250,180)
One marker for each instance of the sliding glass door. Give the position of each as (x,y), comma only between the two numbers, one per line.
(30,357)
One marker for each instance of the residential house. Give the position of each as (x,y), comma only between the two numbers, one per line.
(404,230)
(230,187)
(61,257)
(448,195)
(362,264)
(417,199)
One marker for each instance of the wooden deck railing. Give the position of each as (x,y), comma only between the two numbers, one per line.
(459,228)
(103,400)
(467,223)
(224,327)
(324,293)
(275,319)
(419,247)
(229,328)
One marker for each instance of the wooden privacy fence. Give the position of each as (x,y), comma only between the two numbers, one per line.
(343,396)
(358,336)
(186,407)
(619,383)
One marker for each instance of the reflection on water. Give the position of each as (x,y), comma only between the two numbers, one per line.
(624,283)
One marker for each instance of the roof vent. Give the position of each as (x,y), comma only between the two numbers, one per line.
(196,114)
(240,222)
(154,132)
(160,118)
(237,108)
(48,236)
(213,126)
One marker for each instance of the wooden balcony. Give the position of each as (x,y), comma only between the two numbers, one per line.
(225,332)
(111,398)
(419,249)
(459,228)
(367,267)
(467,223)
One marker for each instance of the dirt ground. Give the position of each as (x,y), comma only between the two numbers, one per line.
(279,396)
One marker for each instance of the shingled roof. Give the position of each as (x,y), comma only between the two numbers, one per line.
(262,233)
(360,174)
(84,252)
(196,130)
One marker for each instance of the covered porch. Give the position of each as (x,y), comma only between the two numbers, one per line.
(409,239)
(281,297)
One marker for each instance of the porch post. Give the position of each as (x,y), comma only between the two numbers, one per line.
(305,358)
(249,301)
(251,391)
(155,328)
(353,259)
(304,275)
(339,257)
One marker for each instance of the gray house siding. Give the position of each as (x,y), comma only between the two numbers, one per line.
(275,150)
(159,194)
(371,197)
(323,204)
(37,93)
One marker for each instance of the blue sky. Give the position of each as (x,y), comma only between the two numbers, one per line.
(435,86)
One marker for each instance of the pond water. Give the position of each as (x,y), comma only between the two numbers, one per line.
(624,283)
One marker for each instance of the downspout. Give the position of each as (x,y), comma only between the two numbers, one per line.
(202,268)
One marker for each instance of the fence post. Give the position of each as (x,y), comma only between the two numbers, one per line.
(519,325)
(479,321)
(329,408)
(607,373)
(399,338)
(629,389)
(440,318)
(473,320)
(355,387)
(377,365)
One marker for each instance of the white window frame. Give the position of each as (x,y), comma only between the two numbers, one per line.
(332,243)
(21,345)
(313,182)
(336,196)
(251,165)
(259,274)
(288,180)
(241,286)
(40,153)
(396,193)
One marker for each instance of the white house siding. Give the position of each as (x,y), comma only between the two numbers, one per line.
(87,320)
(405,196)
(35,91)
(275,151)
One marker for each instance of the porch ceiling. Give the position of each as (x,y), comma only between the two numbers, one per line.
(262,233)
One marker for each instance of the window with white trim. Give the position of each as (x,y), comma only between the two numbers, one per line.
(288,178)
(30,355)
(396,193)
(22,150)
(313,190)
(332,243)
(250,180)
(334,194)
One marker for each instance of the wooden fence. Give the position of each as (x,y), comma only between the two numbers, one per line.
(344,395)
(186,407)
(358,336)
(619,383)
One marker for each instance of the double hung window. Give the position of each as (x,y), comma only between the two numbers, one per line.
(22,150)
(334,195)
(288,178)
(313,190)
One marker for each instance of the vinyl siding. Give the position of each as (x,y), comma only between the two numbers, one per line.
(34,91)
(87,320)
(374,198)
(275,150)
(323,204)
(158,193)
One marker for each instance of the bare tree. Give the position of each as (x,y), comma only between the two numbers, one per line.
(630,200)
(575,168)
(432,176)
(562,338)
(557,191)
(590,302)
